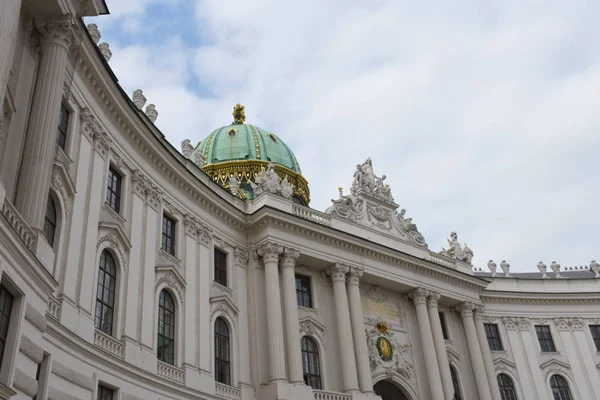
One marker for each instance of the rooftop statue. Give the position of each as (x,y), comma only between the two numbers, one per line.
(268,181)
(456,251)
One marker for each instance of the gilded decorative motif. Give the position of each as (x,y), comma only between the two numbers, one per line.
(208,142)
(239,114)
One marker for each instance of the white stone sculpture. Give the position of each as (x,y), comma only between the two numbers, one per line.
(151,112)
(399,363)
(105,50)
(456,251)
(594,266)
(94,32)
(555,267)
(492,267)
(187,148)
(234,185)
(138,98)
(505,267)
(198,159)
(268,181)
(543,269)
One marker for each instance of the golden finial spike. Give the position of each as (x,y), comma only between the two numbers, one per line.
(239,115)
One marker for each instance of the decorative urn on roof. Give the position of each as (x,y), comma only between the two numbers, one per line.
(258,160)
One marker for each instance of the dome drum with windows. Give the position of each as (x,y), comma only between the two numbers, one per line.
(243,151)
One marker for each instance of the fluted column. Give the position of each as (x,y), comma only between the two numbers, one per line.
(440,344)
(485,352)
(419,297)
(481,379)
(9,19)
(40,142)
(365,379)
(270,253)
(348,361)
(290,315)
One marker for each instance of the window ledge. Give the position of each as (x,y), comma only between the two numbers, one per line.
(115,214)
(309,309)
(6,392)
(168,258)
(550,353)
(217,285)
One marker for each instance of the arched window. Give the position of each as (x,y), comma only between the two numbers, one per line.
(222,352)
(560,388)
(105,295)
(455,384)
(311,366)
(50,221)
(165,350)
(507,387)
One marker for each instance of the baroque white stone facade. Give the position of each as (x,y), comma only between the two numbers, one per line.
(209,308)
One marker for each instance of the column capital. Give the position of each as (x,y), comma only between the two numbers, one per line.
(241,258)
(61,31)
(354,275)
(338,272)
(419,295)
(270,252)
(433,298)
(478,312)
(288,259)
(466,309)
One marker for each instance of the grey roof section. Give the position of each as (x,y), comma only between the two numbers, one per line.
(569,274)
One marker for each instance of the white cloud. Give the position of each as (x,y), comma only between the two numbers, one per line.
(482,116)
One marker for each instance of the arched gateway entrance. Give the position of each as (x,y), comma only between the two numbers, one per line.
(388,391)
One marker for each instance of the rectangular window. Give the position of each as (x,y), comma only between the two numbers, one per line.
(168,235)
(220,267)
(6,303)
(595,330)
(105,393)
(444,327)
(545,338)
(63,124)
(493,337)
(303,292)
(113,190)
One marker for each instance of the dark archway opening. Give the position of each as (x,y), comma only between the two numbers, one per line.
(389,391)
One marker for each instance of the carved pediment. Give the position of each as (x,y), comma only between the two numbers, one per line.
(223,304)
(62,183)
(502,364)
(113,237)
(555,366)
(172,278)
(453,356)
(312,327)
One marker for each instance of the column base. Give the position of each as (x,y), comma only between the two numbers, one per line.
(75,320)
(133,352)
(197,381)
(285,391)
(43,251)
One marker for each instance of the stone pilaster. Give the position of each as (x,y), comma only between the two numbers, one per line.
(365,380)
(270,254)
(440,344)
(40,143)
(481,379)
(290,314)
(9,19)
(419,297)
(485,353)
(348,360)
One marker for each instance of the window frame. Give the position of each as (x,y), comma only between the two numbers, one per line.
(546,343)
(493,338)
(222,352)
(169,239)
(555,383)
(506,383)
(167,357)
(444,325)
(7,310)
(47,221)
(62,137)
(595,336)
(114,195)
(99,321)
(220,268)
(301,294)
(456,386)
(309,355)
(102,390)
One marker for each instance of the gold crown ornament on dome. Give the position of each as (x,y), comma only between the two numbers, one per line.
(239,115)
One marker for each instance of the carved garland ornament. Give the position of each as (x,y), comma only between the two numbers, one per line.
(379,216)
(113,243)
(385,353)
(171,282)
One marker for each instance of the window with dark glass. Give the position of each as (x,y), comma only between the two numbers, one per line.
(168,235)
(444,327)
(545,338)
(311,365)
(220,267)
(63,124)
(113,190)
(105,393)
(50,221)
(493,337)
(105,296)
(303,292)
(595,331)
(222,352)
(6,303)
(455,384)
(560,388)
(507,387)
(165,350)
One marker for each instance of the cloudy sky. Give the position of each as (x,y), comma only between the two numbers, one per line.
(484,115)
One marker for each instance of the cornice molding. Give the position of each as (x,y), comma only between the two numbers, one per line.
(539,298)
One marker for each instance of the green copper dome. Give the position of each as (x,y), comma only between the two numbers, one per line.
(246,142)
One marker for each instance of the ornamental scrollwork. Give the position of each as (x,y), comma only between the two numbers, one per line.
(379,216)
(386,353)
(172,282)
